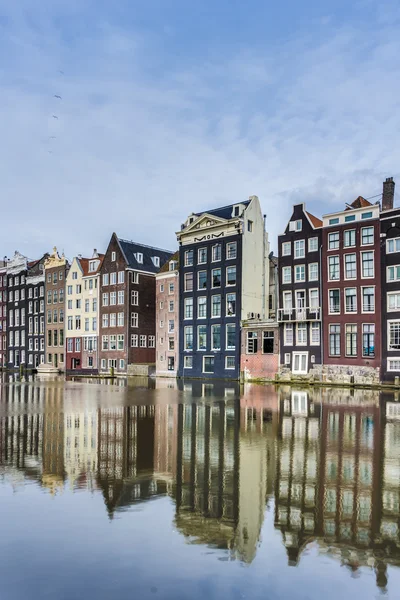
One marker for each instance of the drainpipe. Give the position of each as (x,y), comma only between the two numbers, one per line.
(263,276)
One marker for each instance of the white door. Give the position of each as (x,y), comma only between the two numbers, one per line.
(300,363)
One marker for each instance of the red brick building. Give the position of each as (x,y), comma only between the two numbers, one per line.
(259,357)
(351,292)
(127,312)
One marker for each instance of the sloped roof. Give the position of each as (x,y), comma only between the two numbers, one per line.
(130,249)
(165,267)
(314,220)
(224,212)
(359,202)
(84,262)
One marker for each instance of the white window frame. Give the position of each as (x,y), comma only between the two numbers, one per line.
(345,277)
(373,236)
(396,242)
(288,326)
(350,312)
(299,371)
(373,264)
(286,270)
(310,278)
(296,280)
(329,270)
(330,312)
(363,311)
(299,249)
(390,360)
(336,247)
(313,242)
(113,256)
(315,325)
(301,327)
(393,294)
(286,248)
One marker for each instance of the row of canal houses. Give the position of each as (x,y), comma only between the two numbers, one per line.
(222,306)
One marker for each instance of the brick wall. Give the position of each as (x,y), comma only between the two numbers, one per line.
(259,365)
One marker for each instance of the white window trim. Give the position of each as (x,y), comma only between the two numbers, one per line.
(356,355)
(387,273)
(300,372)
(388,334)
(333,249)
(391,310)
(355,238)
(310,333)
(309,244)
(333,256)
(373,236)
(387,245)
(344,266)
(329,303)
(392,358)
(287,244)
(285,342)
(203,364)
(373,262)
(350,312)
(226,364)
(295,278)
(309,299)
(367,312)
(309,272)
(283,278)
(294,249)
(298,325)
(340,340)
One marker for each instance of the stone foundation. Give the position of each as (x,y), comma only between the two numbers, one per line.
(141,370)
(335,375)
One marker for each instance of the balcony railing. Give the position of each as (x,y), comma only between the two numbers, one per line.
(299,314)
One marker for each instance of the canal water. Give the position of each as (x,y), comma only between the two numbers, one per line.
(196,490)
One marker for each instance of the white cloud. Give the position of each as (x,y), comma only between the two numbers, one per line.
(138,148)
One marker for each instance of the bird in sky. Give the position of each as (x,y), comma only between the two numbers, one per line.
(61,72)
(52,137)
(55,117)
(59,97)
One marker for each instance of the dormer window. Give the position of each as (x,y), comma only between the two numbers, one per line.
(295,225)
(172,265)
(139,257)
(156,260)
(236,211)
(93,265)
(191,219)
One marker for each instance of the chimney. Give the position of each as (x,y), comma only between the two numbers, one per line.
(388,194)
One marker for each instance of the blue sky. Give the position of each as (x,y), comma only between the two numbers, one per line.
(170,106)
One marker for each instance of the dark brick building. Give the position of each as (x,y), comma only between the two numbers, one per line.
(3,313)
(127,302)
(56,269)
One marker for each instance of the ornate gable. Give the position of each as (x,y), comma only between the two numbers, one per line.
(55,260)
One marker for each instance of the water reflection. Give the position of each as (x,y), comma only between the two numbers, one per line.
(325,463)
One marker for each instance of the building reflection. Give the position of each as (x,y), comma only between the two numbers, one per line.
(326,462)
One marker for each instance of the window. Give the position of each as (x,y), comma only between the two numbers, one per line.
(367,235)
(334,221)
(202,256)
(202,307)
(288,334)
(287,302)
(188,308)
(216,306)
(366,215)
(249,226)
(77,344)
(313,272)
(49,296)
(70,325)
(286,274)
(77,322)
(55,316)
(134,319)
(78,289)
(121,276)
(135,277)
(268,342)
(105,299)
(189,258)
(350,295)
(171,326)
(300,360)
(394,335)
(171,288)
(334,340)
(120,319)
(139,258)
(188,362)
(113,342)
(70,345)
(113,256)
(134,340)
(74,275)
(299,249)
(334,301)
(367,261)
(215,337)
(171,306)
(105,320)
(121,296)
(188,331)
(299,273)
(349,218)
(202,280)
(173,265)
(208,364)
(314,300)
(171,343)
(393,364)
(301,335)
(87,306)
(231,250)
(202,337)
(368,299)
(351,340)
(295,225)
(252,342)
(368,339)
(216,278)
(334,268)
(229,362)
(315,334)
(393,245)
(333,241)
(231,305)
(286,248)
(231,336)
(113,298)
(231,276)
(393,273)
(113,278)
(393,301)
(105,279)
(188,281)
(78,303)
(349,238)
(104,342)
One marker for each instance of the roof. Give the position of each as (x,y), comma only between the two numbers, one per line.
(131,249)
(165,267)
(224,212)
(359,202)
(314,220)
(84,262)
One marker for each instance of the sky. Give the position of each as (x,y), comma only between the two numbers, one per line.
(170,107)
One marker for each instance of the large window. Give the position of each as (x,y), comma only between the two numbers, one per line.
(286,249)
(188,307)
(315,334)
(230,336)
(202,307)
(268,342)
(231,305)
(313,273)
(350,295)
(301,334)
(393,273)
(334,301)
(216,337)
(367,261)
(393,245)
(286,274)
(288,334)
(188,362)
(333,241)
(188,332)
(312,244)
(188,282)
(299,273)
(368,339)
(334,268)
(368,299)
(231,250)
(202,256)
(189,258)
(394,335)
(216,278)
(367,235)
(202,337)
(216,306)
(208,364)
(349,238)
(334,340)
(350,266)
(216,252)
(351,340)
(299,248)
(314,300)
(287,302)
(251,342)
(231,276)
(393,301)
(202,280)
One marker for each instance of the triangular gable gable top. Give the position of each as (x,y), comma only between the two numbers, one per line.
(207,219)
